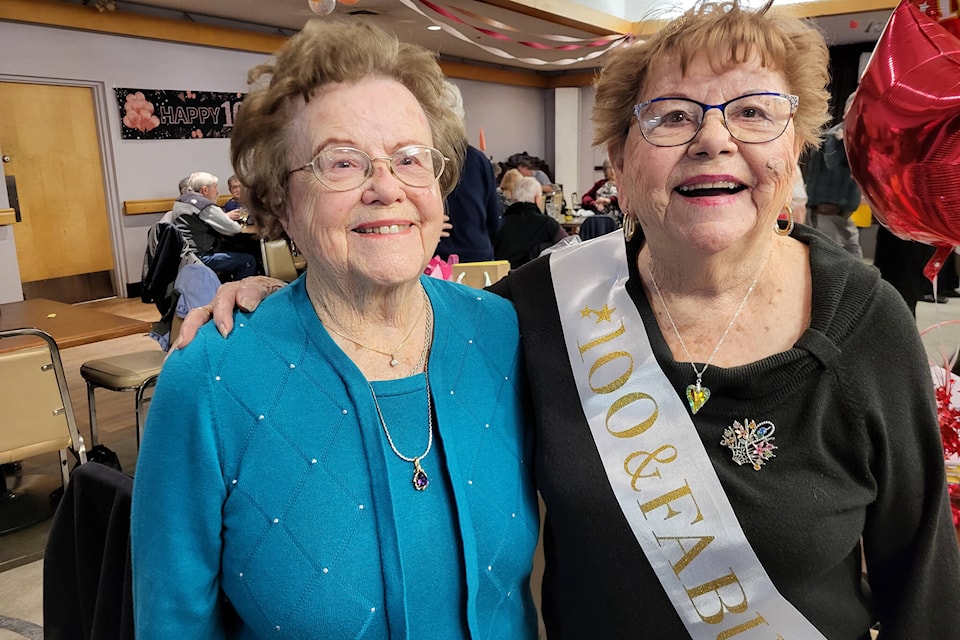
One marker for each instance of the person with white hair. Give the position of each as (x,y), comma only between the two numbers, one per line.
(205,228)
(526,231)
(473,205)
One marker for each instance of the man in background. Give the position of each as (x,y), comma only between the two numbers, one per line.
(529,169)
(473,206)
(233,184)
(205,228)
(832,194)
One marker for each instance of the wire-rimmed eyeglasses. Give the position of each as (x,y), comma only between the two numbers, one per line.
(753,118)
(346,168)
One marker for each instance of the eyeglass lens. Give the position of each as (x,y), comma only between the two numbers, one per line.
(345,168)
(754,118)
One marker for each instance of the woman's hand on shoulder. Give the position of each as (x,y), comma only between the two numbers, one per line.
(245,295)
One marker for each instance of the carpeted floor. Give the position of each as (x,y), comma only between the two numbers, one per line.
(21,602)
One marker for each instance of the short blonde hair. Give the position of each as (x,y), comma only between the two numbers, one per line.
(509,181)
(329,51)
(729,33)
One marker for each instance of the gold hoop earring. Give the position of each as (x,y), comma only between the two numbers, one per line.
(629,226)
(784,231)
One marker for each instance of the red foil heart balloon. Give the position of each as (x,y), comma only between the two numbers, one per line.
(903,130)
(943,11)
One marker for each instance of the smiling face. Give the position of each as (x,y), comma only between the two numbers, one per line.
(713,193)
(384,232)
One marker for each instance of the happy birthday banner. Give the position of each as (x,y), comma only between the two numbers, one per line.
(161,114)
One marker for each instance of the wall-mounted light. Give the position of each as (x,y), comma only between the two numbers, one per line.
(433,27)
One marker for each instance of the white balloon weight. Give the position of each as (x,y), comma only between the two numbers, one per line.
(322,7)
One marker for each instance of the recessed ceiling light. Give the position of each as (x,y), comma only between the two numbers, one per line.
(433,27)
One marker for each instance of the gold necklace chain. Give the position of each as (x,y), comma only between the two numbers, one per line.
(394,361)
(697,394)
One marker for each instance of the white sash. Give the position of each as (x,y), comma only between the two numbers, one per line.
(654,459)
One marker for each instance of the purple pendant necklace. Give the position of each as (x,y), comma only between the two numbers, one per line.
(420,479)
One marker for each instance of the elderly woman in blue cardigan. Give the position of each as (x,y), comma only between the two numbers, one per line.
(351,461)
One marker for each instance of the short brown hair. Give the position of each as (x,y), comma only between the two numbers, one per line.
(729,33)
(329,51)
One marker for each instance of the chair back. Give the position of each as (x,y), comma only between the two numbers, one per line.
(596,226)
(480,274)
(37,413)
(278,260)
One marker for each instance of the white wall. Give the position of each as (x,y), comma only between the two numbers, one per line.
(514,119)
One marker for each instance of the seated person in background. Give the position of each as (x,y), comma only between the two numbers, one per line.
(205,228)
(602,196)
(505,190)
(525,231)
(529,169)
(183,186)
(233,185)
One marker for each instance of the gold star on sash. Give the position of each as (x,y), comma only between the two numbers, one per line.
(605,313)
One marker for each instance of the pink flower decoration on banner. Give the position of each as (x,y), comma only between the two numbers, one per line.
(138,113)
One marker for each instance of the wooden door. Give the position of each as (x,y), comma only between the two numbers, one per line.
(49,134)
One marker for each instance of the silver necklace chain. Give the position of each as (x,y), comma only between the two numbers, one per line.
(420,479)
(676,331)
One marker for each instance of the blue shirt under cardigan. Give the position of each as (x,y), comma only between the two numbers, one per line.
(270,492)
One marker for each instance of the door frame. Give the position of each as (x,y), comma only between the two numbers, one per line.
(102,110)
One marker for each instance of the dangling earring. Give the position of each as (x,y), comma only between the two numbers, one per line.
(784,231)
(629,226)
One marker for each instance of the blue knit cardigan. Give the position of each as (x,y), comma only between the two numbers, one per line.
(256,490)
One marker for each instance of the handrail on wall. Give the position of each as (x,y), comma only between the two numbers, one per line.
(162,205)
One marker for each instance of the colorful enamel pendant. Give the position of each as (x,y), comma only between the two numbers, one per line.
(751,443)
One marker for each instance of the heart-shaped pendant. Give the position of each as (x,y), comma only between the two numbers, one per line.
(697,396)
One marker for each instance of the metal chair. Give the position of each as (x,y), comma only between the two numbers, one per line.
(136,372)
(195,285)
(38,418)
(597,225)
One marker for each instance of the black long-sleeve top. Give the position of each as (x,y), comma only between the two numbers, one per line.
(859,458)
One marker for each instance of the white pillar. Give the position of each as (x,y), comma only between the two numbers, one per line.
(566,135)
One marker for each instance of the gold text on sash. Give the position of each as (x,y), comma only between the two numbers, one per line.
(716,599)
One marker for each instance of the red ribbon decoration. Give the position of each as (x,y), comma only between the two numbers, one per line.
(596,42)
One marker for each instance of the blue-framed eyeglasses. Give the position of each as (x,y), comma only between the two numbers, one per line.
(346,168)
(753,118)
